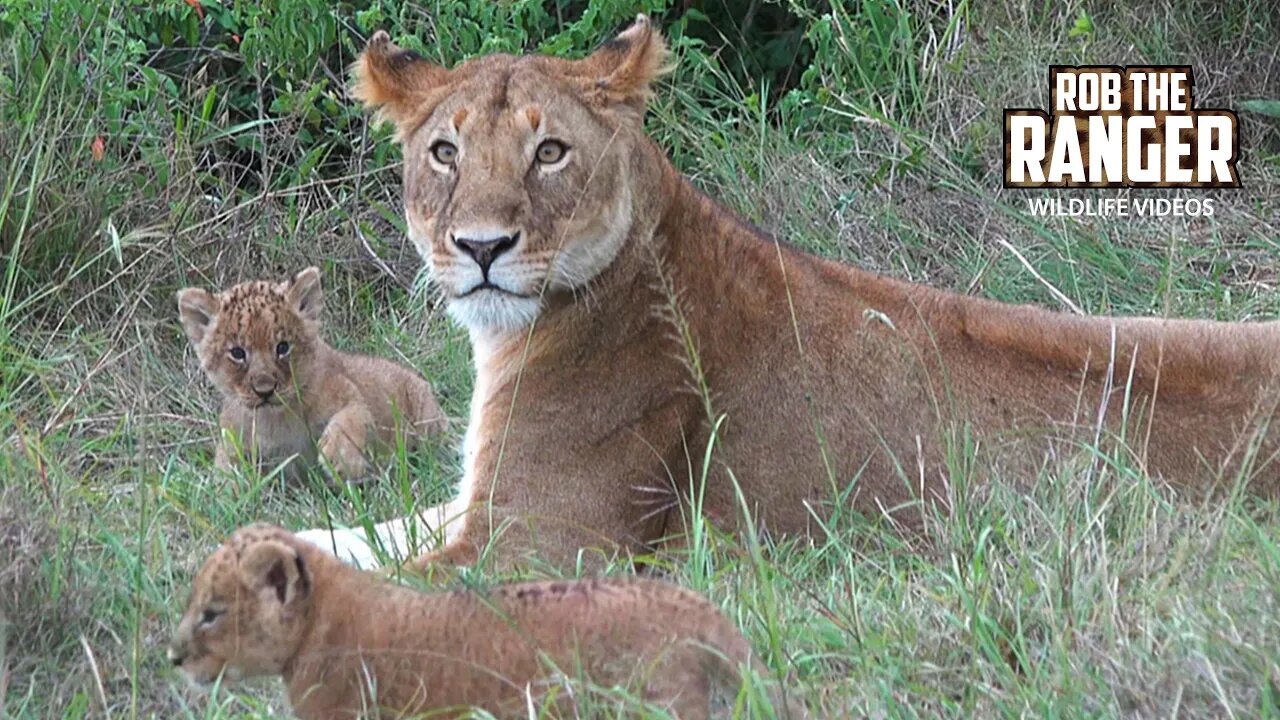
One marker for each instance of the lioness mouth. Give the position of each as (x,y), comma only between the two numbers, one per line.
(486,285)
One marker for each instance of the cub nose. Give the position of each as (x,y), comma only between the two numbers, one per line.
(264,387)
(485,251)
(175,656)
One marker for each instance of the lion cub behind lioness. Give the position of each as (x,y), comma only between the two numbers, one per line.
(349,643)
(286,392)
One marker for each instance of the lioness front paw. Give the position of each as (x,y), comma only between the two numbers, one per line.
(349,546)
(452,555)
(395,540)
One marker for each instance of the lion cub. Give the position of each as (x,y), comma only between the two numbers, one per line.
(349,643)
(285,391)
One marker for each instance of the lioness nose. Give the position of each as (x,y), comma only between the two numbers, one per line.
(484,252)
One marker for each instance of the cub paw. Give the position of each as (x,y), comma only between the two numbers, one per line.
(342,455)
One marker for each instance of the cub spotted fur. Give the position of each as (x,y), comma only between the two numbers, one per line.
(347,642)
(285,392)
(622,323)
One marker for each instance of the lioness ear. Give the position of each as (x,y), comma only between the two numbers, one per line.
(272,565)
(396,81)
(196,309)
(306,295)
(622,71)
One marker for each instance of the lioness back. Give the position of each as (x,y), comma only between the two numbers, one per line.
(266,603)
(286,392)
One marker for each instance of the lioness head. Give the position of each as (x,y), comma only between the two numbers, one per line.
(519,174)
(248,608)
(256,340)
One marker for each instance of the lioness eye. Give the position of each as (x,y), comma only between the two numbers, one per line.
(551,152)
(237,354)
(445,152)
(282,350)
(209,616)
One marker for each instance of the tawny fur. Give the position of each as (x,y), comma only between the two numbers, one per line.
(638,311)
(347,641)
(322,402)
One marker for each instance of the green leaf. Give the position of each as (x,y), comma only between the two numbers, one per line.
(1083,26)
(206,109)
(1270,108)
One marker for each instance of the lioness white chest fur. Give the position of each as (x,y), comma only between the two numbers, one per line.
(286,392)
(606,364)
(347,642)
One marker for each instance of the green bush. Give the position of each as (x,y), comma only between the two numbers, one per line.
(232,77)
(134,110)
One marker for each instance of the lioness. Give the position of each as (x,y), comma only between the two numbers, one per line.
(617,314)
(347,642)
(285,392)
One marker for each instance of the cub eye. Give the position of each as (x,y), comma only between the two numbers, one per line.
(282,349)
(237,353)
(210,616)
(445,153)
(551,152)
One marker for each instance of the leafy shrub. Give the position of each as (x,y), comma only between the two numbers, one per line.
(147,109)
(245,73)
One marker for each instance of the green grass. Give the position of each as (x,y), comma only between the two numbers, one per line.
(1080,594)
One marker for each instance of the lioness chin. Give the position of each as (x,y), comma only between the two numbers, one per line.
(617,315)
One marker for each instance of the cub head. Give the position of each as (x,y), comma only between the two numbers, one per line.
(523,175)
(257,340)
(248,608)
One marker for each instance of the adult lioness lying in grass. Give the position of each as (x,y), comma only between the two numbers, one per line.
(616,313)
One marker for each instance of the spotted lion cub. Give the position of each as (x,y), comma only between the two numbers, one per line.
(285,392)
(349,643)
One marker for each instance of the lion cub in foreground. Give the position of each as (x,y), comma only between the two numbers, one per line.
(285,391)
(348,643)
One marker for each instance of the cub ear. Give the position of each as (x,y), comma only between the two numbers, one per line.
(396,81)
(196,309)
(622,71)
(270,565)
(306,295)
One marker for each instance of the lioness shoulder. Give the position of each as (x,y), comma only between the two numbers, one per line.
(267,603)
(285,391)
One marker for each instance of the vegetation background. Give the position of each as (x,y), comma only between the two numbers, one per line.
(147,145)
